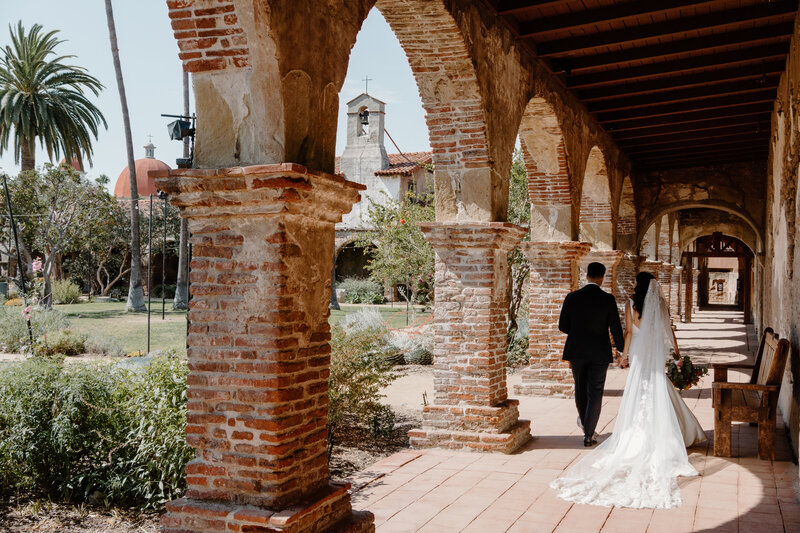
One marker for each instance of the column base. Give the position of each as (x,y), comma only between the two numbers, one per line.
(327,511)
(475,428)
(553,382)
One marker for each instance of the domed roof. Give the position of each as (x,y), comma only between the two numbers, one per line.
(144,184)
(77,163)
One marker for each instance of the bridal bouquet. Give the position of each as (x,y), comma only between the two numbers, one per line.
(683,373)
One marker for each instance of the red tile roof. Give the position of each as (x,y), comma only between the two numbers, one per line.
(405,164)
(399,164)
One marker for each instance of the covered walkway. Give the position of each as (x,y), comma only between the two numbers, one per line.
(440,491)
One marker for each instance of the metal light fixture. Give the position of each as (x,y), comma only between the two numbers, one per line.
(179,130)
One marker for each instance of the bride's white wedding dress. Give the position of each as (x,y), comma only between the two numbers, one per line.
(638,464)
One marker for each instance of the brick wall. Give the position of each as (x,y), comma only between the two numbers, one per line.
(209,35)
(554,274)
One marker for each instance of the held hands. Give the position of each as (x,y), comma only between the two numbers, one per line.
(621,360)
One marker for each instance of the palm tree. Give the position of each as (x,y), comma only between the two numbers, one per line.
(43,98)
(135,292)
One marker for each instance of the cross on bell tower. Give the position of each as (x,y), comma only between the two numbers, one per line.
(366,84)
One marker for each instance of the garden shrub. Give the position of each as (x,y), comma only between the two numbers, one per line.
(103,345)
(65,292)
(517,352)
(417,348)
(64,342)
(361,291)
(359,370)
(14,337)
(79,430)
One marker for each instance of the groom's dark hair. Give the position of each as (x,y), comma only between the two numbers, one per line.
(595,270)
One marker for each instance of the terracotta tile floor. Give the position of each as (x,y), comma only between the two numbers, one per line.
(442,491)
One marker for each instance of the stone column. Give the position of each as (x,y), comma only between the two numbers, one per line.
(688,293)
(258,350)
(651,266)
(695,293)
(471,408)
(664,278)
(554,274)
(675,294)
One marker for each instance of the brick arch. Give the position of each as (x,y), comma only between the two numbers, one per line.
(266,89)
(651,219)
(626,217)
(545,158)
(454,111)
(596,218)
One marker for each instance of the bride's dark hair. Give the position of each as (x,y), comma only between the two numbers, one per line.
(640,291)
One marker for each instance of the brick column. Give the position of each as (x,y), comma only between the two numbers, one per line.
(651,266)
(626,280)
(696,284)
(675,294)
(688,293)
(664,278)
(258,350)
(554,274)
(471,408)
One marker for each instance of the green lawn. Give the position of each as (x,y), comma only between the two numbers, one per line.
(109,319)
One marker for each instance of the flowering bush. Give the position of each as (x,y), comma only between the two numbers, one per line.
(683,373)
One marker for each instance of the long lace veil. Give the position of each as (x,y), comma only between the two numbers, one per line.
(654,347)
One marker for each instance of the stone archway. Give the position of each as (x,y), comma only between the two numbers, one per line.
(596,218)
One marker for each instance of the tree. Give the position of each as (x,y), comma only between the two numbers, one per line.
(43,98)
(401,255)
(181,300)
(58,205)
(519,213)
(135,292)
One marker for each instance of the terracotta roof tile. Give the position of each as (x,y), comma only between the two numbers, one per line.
(405,164)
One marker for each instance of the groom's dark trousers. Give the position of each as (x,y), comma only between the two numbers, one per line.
(587,316)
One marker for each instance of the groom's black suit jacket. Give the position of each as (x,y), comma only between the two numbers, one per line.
(586,317)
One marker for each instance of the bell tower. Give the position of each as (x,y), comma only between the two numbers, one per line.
(365,152)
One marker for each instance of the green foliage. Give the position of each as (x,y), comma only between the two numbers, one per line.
(359,370)
(14,330)
(103,345)
(361,291)
(401,255)
(519,213)
(71,431)
(65,292)
(517,352)
(65,342)
(43,98)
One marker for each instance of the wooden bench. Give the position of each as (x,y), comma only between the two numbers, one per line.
(754,402)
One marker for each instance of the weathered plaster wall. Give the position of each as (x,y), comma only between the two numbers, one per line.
(781,261)
(737,188)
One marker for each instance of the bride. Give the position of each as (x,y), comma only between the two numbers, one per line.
(638,464)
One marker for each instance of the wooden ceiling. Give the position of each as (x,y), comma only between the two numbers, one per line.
(676,83)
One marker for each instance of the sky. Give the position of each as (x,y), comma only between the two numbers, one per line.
(152,75)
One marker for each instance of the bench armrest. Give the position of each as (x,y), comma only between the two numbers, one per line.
(746,386)
(732,365)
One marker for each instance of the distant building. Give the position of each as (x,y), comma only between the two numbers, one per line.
(145,185)
(387,176)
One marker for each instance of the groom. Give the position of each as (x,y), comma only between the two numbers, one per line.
(586,317)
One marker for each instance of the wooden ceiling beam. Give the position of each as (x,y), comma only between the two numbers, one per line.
(781,31)
(762,118)
(762,108)
(678,66)
(757,70)
(602,15)
(715,154)
(727,17)
(694,145)
(765,95)
(700,163)
(684,95)
(681,136)
(511,7)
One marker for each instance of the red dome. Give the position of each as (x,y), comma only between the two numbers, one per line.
(77,164)
(145,185)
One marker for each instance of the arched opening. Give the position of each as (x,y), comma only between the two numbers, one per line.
(596,217)
(725,277)
(549,186)
(351,261)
